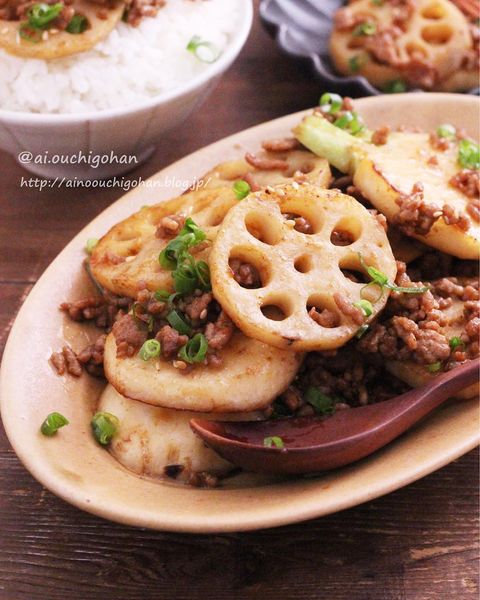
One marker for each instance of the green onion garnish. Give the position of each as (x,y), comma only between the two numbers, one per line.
(362,331)
(178,323)
(455,342)
(273,441)
(365,306)
(205,51)
(446,131)
(185,277)
(90,245)
(241,189)
(469,154)
(162,295)
(380,279)
(354,63)
(104,427)
(53,423)
(396,86)
(365,28)
(434,367)
(78,24)
(203,274)
(150,349)
(330,103)
(351,121)
(29,33)
(41,14)
(323,404)
(191,227)
(194,350)
(377,2)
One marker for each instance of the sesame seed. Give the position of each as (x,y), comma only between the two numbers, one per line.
(295,185)
(179,364)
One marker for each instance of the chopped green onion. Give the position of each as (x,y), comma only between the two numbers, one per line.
(52,423)
(150,320)
(365,28)
(41,14)
(150,349)
(90,245)
(351,121)
(380,279)
(191,227)
(185,278)
(205,51)
(162,295)
(178,323)
(104,427)
(241,189)
(396,86)
(78,24)
(362,331)
(170,255)
(446,131)
(354,63)
(323,404)
(203,274)
(377,2)
(365,306)
(469,154)
(273,441)
(31,34)
(455,342)
(195,349)
(330,103)
(434,367)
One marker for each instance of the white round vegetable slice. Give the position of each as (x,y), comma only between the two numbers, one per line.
(158,442)
(129,252)
(304,242)
(252,374)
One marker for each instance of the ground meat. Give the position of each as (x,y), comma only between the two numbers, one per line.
(250,179)
(325,318)
(130,335)
(470,8)
(380,218)
(136,10)
(451,217)
(439,143)
(245,274)
(415,215)
(468,182)
(281,145)
(434,264)
(198,307)
(103,310)
(473,209)
(382,46)
(170,226)
(303,225)
(380,135)
(347,308)
(340,237)
(220,332)
(91,357)
(66,361)
(171,341)
(419,72)
(266,164)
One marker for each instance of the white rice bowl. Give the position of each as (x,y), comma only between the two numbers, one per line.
(131,65)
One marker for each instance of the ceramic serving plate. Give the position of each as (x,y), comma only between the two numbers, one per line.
(75,468)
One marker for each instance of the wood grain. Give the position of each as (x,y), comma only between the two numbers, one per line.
(419,543)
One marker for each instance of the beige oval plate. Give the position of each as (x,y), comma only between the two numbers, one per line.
(71,464)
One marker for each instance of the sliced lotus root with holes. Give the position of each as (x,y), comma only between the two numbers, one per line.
(128,253)
(301,164)
(436,34)
(300,271)
(63,43)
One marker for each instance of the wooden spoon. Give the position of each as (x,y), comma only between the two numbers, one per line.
(312,444)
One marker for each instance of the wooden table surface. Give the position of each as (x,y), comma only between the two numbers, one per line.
(419,543)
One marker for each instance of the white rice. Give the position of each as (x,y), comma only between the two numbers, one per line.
(131,65)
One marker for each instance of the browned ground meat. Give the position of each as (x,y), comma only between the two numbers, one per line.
(468,182)
(473,209)
(415,215)
(266,164)
(325,318)
(103,310)
(281,145)
(245,274)
(380,135)
(347,308)
(136,10)
(130,335)
(434,264)
(451,217)
(340,237)
(91,357)
(347,106)
(170,226)
(171,341)
(380,218)
(220,332)
(197,309)
(250,179)
(439,143)
(66,361)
